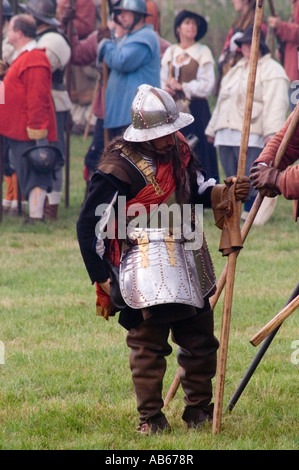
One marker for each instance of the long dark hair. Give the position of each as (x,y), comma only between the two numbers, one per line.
(184,178)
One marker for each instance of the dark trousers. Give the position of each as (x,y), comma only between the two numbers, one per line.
(197,355)
(27,178)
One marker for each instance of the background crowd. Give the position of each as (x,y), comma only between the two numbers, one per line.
(54,53)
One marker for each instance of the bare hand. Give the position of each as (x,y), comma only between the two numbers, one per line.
(175,85)
(273,21)
(106,286)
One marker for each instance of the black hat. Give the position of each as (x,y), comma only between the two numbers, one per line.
(202,25)
(247,37)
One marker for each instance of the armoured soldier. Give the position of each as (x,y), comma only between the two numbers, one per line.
(59,53)
(164,282)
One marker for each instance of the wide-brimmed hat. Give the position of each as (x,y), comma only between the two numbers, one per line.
(154,115)
(247,37)
(202,25)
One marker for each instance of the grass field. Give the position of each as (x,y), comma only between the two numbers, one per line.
(65,381)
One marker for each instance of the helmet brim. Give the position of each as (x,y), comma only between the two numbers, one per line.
(51,21)
(132,134)
(117,11)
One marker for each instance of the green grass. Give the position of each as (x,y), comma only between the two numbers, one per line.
(66,381)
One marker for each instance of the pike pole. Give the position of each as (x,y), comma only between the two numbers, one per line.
(257,359)
(105,67)
(271,30)
(68,119)
(244,233)
(1,141)
(227,276)
(97,86)
(232,257)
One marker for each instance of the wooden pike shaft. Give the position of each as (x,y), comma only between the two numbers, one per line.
(105,78)
(244,232)
(275,322)
(68,119)
(1,143)
(232,258)
(105,66)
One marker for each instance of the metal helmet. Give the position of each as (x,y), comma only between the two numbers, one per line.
(43,10)
(42,159)
(136,6)
(6,9)
(154,114)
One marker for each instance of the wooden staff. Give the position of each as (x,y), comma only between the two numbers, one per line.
(1,141)
(94,96)
(256,360)
(271,36)
(232,257)
(97,86)
(105,67)
(15,7)
(105,78)
(275,322)
(244,232)
(68,119)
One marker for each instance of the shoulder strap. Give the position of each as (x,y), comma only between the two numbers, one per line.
(141,164)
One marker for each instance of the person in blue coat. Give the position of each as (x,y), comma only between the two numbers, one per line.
(132,61)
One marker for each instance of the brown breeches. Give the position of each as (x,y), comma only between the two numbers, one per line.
(197,352)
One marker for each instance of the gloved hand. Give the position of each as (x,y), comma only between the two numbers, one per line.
(103,33)
(242,186)
(68,13)
(265,179)
(3,68)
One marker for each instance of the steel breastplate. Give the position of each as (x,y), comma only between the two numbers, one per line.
(159,270)
(156,267)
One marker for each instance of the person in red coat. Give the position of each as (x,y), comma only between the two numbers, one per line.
(288,34)
(27,118)
(284,179)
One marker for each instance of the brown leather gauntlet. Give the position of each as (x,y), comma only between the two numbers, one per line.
(265,179)
(226,213)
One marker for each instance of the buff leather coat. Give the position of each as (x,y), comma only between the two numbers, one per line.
(270,103)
